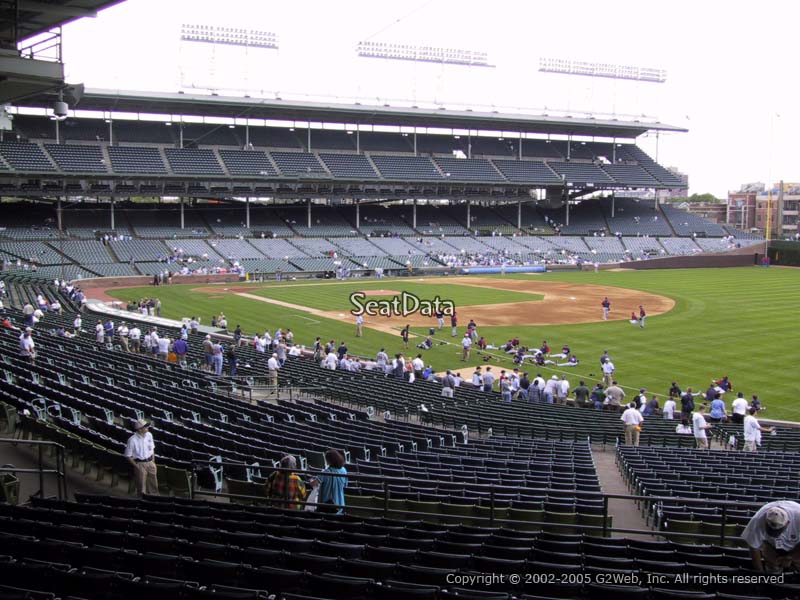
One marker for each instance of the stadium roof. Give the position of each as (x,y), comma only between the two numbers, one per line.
(355,114)
(38,16)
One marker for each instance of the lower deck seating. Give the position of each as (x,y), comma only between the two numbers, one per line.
(104,547)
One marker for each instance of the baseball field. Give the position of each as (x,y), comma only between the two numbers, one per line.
(701,324)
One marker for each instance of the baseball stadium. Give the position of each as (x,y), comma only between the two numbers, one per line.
(270,348)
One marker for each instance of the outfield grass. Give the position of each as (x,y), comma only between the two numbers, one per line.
(324,297)
(735,322)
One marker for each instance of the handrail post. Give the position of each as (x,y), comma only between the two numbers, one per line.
(722,527)
(62,476)
(605,515)
(41,474)
(491,507)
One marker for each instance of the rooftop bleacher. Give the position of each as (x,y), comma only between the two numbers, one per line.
(631,175)
(348,166)
(581,172)
(249,163)
(527,171)
(298,163)
(193,161)
(468,169)
(663,175)
(134,159)
(405,167)
(23,156)
(78,158)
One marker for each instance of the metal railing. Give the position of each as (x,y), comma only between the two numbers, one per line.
(59,471)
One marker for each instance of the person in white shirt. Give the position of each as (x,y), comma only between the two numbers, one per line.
(100,333)
(260,344)
(123,333)
(140,452)
(359,325)
(739,409)
(477,378)
(418,365)
(273,366)
(563,390)
(466,344)
(330,361)
(632,420)
(55,307)
(753,431)
(699,428)
(27,347)
(669,409)
(772,535)
(163,348)
(457,380)
(608,372)
(76,324)
(135,336)
(296,350)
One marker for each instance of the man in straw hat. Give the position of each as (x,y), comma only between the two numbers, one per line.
(773,535)
(140,452)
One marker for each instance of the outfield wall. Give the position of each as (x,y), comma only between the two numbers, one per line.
(698,261)
(115,282)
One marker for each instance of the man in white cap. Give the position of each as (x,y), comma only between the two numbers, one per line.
(773,535)
(140,452)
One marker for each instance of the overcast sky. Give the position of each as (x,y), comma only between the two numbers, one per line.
(731,79)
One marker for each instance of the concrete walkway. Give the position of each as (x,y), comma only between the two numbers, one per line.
(625,512)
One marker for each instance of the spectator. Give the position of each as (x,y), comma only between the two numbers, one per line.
(753,431)
(180,348)
(284,489)
(772,535)
(739,409)
(332,483)
(632,420)
(699,428)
